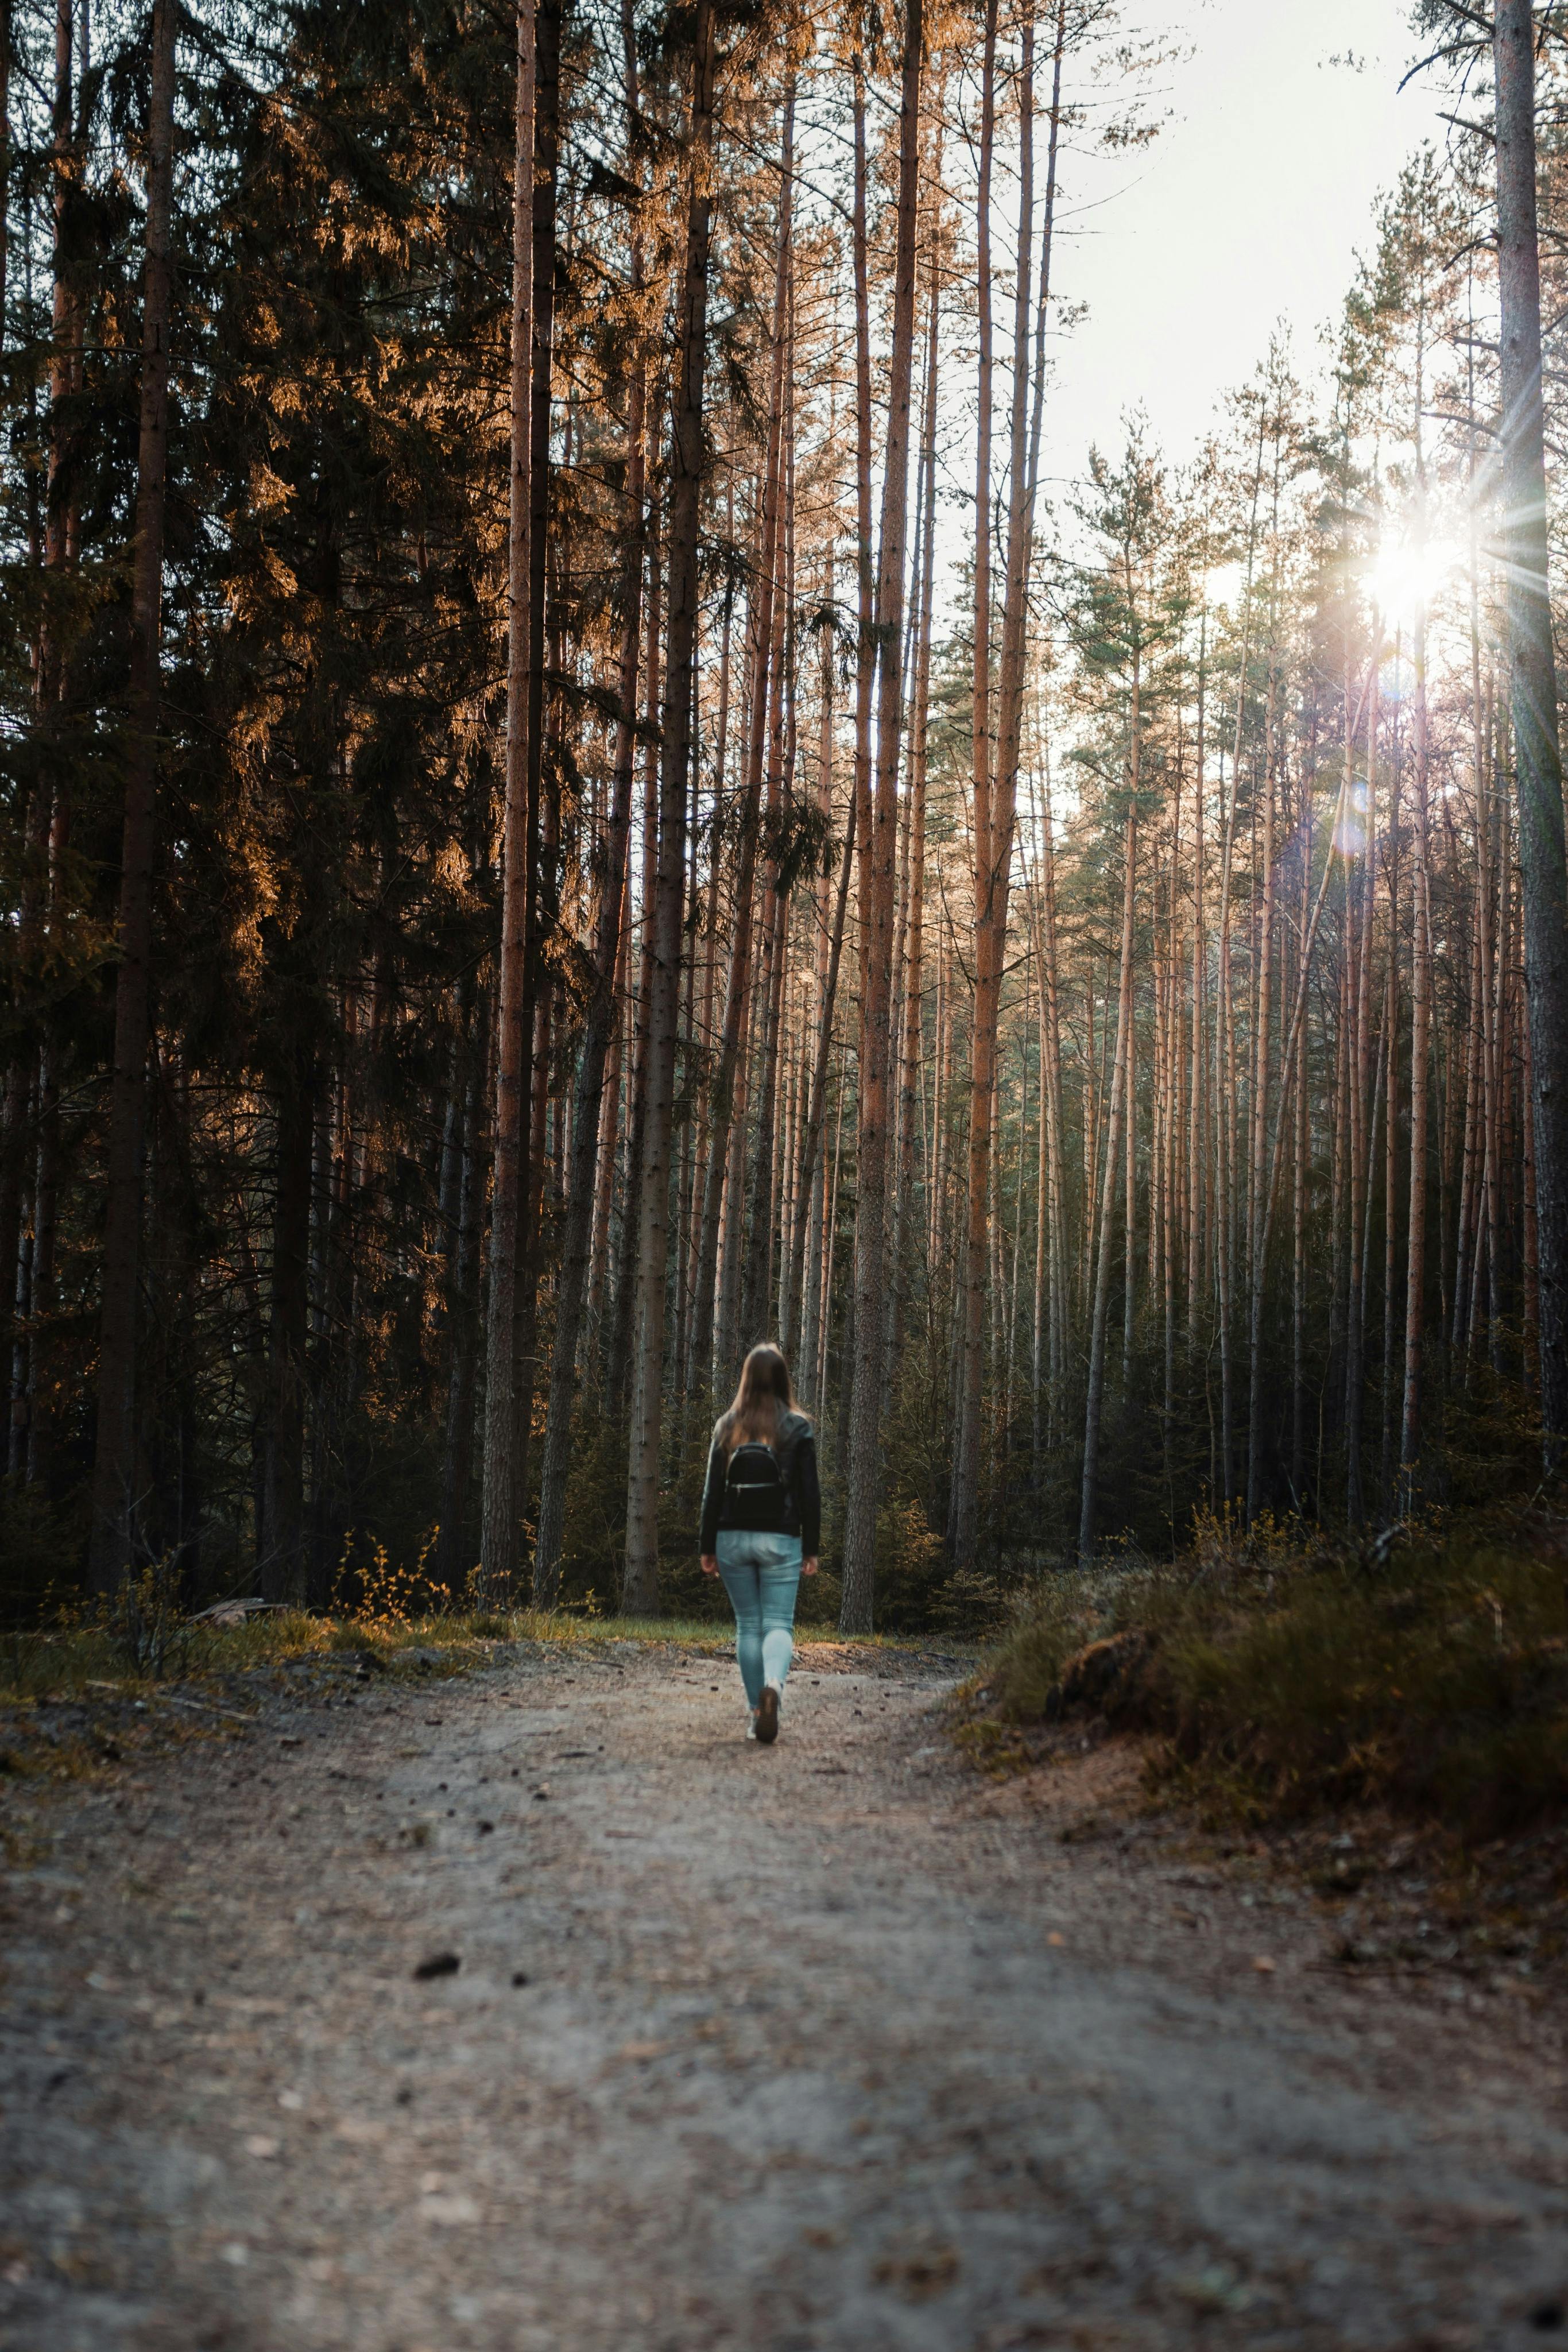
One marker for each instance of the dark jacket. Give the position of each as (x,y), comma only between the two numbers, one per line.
(794,1448)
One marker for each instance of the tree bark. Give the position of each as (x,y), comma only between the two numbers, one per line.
(640,1594)
(498,1541)
(963,1518)
(1420,1065)
(871,1210)
(462,1309)
(542,909)
(115,1469)
(722,1182)
(1538,765)
(577,1236)
(1090,1495)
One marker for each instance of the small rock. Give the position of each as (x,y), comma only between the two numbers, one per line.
(1264,1967)
(439,1964)
(257,2144)
(234,1612)
(450,2212)
(519,1976)
(485,1828)
(1548,2314)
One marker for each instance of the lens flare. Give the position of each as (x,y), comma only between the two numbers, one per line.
(1406,574)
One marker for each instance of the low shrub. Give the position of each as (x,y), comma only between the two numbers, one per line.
(1429,1672)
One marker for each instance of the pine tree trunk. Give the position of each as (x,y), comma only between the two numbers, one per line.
(463,1311)
(587,1125)
(715,1317)
(5,42)
(1420,1064)
(963,1518)
(811,1146)
(912,978)
(871,1208)
(761,1194)
(498,1540)
(115,1481)
(1363,1143)
(280,1539)
(1538,766)
(618,1371)
(607,1169)
(49,826)
(1256,1177)
(640,1594)
(541,914)
(1090,1495)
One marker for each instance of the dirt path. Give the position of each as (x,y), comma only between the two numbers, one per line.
(828,2045)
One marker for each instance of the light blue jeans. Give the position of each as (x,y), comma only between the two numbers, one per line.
(761,1575)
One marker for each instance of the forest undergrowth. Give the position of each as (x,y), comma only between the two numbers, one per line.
(1281,1676)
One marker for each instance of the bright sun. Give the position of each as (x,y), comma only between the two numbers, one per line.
(1406,572)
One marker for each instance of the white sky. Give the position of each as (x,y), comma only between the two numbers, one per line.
(1249,207)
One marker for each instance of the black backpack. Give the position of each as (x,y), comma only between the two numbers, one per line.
(754,1488)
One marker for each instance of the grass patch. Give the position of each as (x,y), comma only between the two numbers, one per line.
(76,1659)
(1286,1677)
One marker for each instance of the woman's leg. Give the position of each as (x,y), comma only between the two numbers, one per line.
(779,1580)
(740,1574)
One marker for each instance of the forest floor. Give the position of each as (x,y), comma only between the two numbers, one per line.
(833,2044)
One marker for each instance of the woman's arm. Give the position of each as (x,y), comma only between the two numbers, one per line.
(811,1494)
(713,1503)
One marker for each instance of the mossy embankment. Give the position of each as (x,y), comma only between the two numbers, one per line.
(1425,1671)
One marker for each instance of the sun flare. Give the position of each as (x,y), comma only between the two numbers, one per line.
(1412,570)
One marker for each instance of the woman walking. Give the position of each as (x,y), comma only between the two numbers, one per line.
(761,1525)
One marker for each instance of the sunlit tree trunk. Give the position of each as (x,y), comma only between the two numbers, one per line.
(606,1168)
(1420,1064)
(1255,1180)
(913,1023)
(1090,1493)
(717,1309)
(870,1211)
(498,1540)
(1538,765)
(542,907)
(1363,1143)
(964,1521)
(811,1146)
(755,1286)
(688,465)
(577,1236)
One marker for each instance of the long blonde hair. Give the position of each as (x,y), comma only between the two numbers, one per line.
(763,1397)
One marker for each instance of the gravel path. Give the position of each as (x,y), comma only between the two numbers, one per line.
(834,2044)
